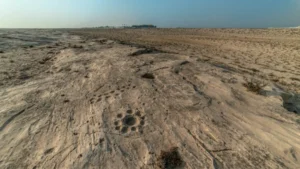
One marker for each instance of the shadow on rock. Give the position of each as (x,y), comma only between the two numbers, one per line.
(291,102)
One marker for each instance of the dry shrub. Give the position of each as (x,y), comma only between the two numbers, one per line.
(255,85)
(170,159)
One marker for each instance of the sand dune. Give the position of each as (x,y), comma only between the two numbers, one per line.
(162,98)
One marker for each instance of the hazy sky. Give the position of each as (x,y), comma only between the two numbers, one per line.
(164,13)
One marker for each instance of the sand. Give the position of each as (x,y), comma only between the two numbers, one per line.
(158,98)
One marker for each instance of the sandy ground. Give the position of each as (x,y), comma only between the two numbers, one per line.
(139,99)
(272,54)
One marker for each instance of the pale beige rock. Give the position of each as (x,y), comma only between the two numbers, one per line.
(101,106)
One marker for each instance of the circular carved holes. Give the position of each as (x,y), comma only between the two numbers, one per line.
(129,120)
(129,111)
(138,113)
(117,128)
(120,115)
(133,128)
(124,129)
(116,123)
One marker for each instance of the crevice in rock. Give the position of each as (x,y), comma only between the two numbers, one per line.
(148,76)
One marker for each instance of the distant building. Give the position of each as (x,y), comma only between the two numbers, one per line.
(143,26)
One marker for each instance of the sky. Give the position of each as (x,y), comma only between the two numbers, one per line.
(163,13)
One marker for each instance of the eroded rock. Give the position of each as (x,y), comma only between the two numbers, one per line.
(291,102)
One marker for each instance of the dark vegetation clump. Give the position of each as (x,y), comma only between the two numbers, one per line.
(170,159)
(254,86)
(48,151)
(102,41)
(77,46)
(43,61)
(1,51)
(184,62)
(148,76)
(66,101)
(177,70)
(143,51)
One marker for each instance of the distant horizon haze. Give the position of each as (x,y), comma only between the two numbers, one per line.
(164,14)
